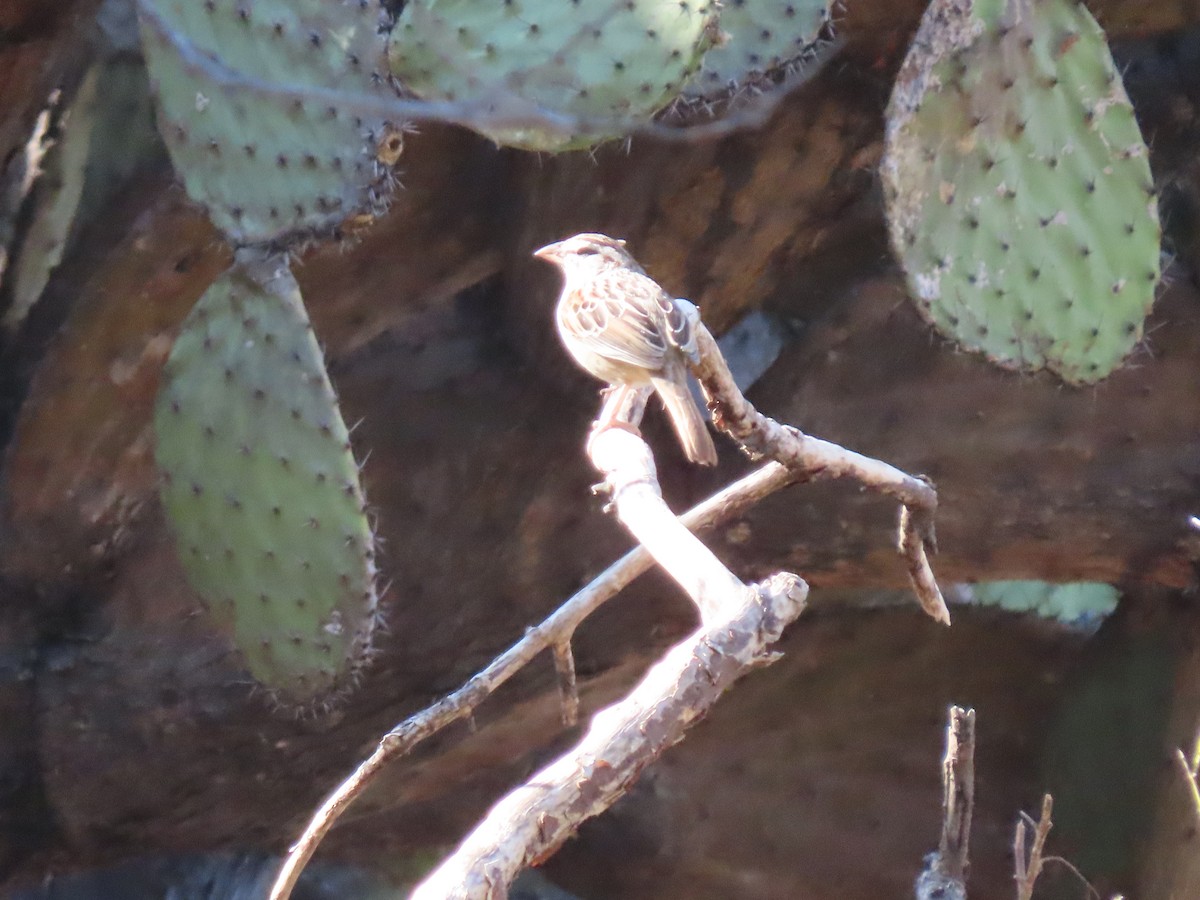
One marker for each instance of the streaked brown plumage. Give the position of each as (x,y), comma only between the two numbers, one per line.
(623,328)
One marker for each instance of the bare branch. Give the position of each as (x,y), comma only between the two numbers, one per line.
(740,624)
(799,457)
(568,690)
(1189,777)
(1028,870)
(532,821)
(958,791)
(811,458)
(727,504)
(629,472)
(945,873)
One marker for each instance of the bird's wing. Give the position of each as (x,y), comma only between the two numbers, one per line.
(624,314)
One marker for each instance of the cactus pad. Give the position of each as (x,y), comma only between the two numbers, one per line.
(762,39)
(260,486)
(106,135)
(1018,187)
(606,59)
(1083,603)
(268,162)
(54,216)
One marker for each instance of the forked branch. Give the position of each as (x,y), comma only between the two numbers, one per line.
(739,624)
(810,458)
(558,628)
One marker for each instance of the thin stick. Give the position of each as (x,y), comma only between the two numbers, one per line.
(1020,875)
(1070,867)
(1189,777)
(568,690)
(1027,872)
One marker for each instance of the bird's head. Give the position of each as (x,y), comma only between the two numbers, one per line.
(588,252)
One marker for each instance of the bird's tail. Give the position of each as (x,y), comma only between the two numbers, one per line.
(689,423)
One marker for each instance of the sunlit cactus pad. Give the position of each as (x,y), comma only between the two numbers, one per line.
(761,39)
(1018,187)
(1083,603)
(600,60)
(261,488)
(267,160)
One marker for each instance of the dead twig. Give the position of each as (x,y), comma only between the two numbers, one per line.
(564,667)
(740,624)
(958,792)
(727,504)
(1028,868)
(1070,867)
(532,821)
(629,469)
(1189,770)
(810,458)
(945,872)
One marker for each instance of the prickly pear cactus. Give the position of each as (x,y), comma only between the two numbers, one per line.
(605,59)
(762,38)
(1082,603)
(60,189)
(269,162)
(1018,187)
(260,486)
(106,135)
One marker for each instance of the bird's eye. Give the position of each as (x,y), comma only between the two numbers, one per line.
(588,251)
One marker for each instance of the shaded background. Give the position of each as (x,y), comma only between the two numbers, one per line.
(131,738)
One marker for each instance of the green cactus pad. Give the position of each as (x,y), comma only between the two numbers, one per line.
(762,39)
(1018,187)
(1080,603)
(106,135)
(606,59)
(261,488)
(60,188)
(270,166)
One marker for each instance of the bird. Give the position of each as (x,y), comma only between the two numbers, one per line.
(621,327)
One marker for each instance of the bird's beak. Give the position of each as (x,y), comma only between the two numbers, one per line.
(549,253)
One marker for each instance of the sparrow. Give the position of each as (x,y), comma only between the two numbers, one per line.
(621,327)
